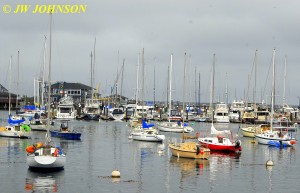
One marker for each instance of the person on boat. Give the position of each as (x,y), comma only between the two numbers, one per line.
(279,134)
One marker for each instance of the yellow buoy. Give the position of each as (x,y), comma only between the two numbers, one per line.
(115,174)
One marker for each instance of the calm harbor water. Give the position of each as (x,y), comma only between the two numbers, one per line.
(105,146)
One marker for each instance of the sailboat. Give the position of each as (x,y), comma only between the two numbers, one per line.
(169,126)
(46,155)
(38,120)
(15,127)
(91,110)
(272,137)
(219,140)
(145,132)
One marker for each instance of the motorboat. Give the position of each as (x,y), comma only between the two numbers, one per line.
(116,114)
(66,109)
(221,113)
(15,131)
(65,133)
(91,110)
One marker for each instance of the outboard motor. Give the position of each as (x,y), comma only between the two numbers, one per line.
(198,149)
(238,145)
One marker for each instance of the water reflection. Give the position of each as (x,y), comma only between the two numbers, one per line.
(190,167)
(43,182)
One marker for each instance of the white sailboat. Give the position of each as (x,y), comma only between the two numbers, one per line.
(46,155)
(173,126)
(145,132)
(15,128)
(271,137)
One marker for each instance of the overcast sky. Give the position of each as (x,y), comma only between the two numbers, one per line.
(232,29)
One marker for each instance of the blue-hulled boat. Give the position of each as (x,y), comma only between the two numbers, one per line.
(65,133)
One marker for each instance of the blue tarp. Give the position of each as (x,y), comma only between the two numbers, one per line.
(145,125)
(14,122)
(29,107)
(276,143)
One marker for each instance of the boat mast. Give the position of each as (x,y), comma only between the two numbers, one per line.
(284,79)
(143,71)
(183,105)
(93,71)
(195,86)
(122,76)
(9,86)
(18,79)
(91,75)
(49,80)
(199,90)
(212,85)
(154,88)
(170,85)
(226,89)
(43,74)
(137,83)
(273,89)
(255,73)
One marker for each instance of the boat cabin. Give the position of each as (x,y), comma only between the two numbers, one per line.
(64,126)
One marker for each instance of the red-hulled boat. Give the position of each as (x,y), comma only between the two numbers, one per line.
(219,142)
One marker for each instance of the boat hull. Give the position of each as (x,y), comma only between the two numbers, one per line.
(143,136)
(275,141)
(91,117)
(189,151)
(247,132)
(38,127)
(14,134)
(174,127)
(66,135)
(225,146)
(46,162)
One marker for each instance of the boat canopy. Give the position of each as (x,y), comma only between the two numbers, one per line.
(145,125)
(14,122)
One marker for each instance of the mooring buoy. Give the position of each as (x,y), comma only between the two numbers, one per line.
(115,174)
(269,163)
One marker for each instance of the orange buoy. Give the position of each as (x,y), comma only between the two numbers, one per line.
(30,149)
(293,142)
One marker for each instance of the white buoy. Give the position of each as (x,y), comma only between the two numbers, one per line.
(115,174)
(160,152)
(269,163)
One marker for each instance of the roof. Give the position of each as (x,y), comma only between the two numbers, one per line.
(3,89)
(67,85)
